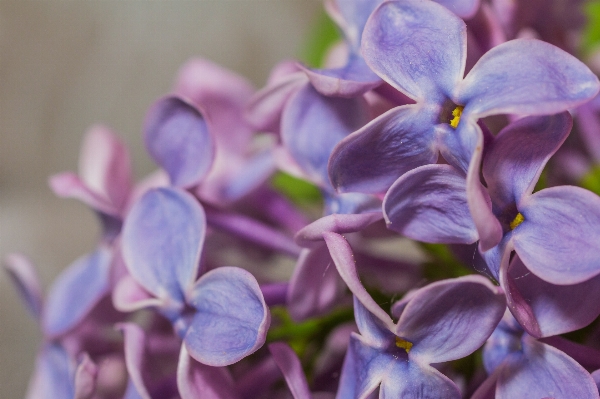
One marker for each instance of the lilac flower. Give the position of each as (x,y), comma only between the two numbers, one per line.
(419,48)
(520,366)
(221,316)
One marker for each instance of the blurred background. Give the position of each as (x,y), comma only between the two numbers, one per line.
(65,65)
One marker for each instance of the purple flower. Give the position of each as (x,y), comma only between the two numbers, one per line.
(419,47)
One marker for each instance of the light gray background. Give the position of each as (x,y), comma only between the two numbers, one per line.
(65,65)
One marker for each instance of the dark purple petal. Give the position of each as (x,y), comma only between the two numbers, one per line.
(372,158)
(231,319)
(586,356)
(417,381)
(526,76)
(558,241)
(26,281)
(86,279)
(588,123)
(336,223)
(177,137)
(419,47)
(197,380)
(313,124)
(558,309)
(519,153)
(450,319)
(542,371)
(463,8)
(162,240)
(429,204)
(290,366)
(135,356)
(85,378)
(315,285)
(372,330)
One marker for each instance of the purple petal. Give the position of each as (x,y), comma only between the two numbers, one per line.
(86,279)
(586,356)
(372,330)
(519,153)
(450,319)
(135,354)
(419,47)
(162,240)
(558,241)
(53,375)
(342,256)
(463,8)
(351,16)
(196,380)
(290,366)
(69,185)
(231,319)
(315,285)
(544,372)
(372,158)
(313,124)
(85,378)
(26,281)
(336,223)
(105,166)
(558,309)
(429,204)
(526,76)
(128,296)
(416,381)
(178,139)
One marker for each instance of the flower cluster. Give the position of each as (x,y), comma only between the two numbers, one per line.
(447,122)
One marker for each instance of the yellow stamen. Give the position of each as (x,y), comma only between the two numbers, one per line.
(517,221)
(456,114)
(404,344)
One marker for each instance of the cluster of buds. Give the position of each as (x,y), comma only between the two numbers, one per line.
(445,122)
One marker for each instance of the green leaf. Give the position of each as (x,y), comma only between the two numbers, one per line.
(299,191)
(591,33)
(591,180)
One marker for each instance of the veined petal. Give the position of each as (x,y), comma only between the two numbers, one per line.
(558,240)
(544,372)
(429,204)
(313,124)
(450,319)
(419,47)
(231,319)
(197,380)
(163,236)
(517,156)
(417,381)
(527,77)
(463,8)
(290,366)
(177,137)
(372,158)
(86,279)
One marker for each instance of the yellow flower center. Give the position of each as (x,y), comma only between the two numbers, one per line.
(517,221)
(403,344)
(456,116)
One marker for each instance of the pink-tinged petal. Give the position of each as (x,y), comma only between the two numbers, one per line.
(85,378)
(463,8)
(231,318)
(558,309)
(177,137)
(526,77)
(105,165)
(315,285)
(53,374)
(135,354)
(419,47)
(197,380)
(336,223)
(264,109)
(69,185)
(373,157)
(162,239)
(86,279)
(290,366)
(429,204)
(417,381)
(516,158)
(25,279)
(544,372)
(342,256)
(450,319)
(312,124)
(558,240)
(128,296)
